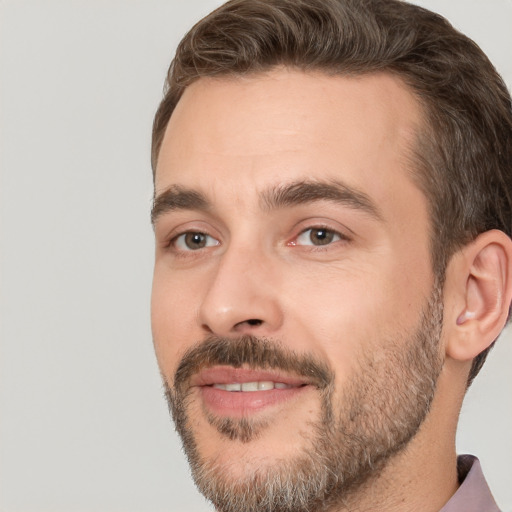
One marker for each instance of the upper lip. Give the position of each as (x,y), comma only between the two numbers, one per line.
(228,375)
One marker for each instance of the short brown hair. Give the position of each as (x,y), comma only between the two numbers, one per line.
(464,153)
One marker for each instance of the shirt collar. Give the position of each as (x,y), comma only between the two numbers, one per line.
(474,494)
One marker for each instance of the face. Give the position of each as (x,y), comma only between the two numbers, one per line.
(295,316)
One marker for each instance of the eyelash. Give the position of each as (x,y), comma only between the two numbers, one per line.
(332,236)
(335,236)
(183,251)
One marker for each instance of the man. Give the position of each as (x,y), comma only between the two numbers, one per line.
(333,212)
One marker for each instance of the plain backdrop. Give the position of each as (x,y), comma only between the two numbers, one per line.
(83,423)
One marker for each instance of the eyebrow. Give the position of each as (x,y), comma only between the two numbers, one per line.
(303,192)
(274,198)
(178,198)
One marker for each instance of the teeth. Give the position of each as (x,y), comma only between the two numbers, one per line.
(229,387)
(252,386)
(233,387)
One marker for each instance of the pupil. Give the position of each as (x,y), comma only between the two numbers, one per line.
(321,236)
(195,240)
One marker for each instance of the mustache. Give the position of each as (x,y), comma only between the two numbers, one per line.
(253,352)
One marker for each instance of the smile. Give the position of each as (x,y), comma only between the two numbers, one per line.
(227,378)
(252,386)
(237,392)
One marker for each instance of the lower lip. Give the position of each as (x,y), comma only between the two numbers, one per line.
(242,403)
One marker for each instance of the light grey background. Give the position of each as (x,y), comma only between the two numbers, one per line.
(83,424)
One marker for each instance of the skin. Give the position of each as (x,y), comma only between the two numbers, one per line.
(232,140)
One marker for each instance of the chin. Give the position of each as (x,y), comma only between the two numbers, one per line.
(237,445)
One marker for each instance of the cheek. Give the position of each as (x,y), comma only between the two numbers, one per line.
(172,320)
(338,313)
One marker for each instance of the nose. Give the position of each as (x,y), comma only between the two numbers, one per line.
(242,296)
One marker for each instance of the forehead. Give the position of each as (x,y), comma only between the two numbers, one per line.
(285,125)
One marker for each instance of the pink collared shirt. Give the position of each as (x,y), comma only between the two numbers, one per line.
(474,494)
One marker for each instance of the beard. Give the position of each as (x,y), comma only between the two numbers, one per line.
(381,408)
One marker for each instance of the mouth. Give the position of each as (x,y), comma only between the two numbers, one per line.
(239,392)
(250,387)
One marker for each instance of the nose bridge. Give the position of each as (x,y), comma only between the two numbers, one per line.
(242,293)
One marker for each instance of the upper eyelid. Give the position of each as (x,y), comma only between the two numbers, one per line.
(326,219)
(174,222)
(165,231)
(343,231)
(322,226)
(175,235)
(325,228)
(342,237)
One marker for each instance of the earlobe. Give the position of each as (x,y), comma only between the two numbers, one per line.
(484,283)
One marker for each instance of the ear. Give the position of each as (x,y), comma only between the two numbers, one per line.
(479,290)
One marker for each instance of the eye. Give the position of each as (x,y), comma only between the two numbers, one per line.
(193,241)
(318,236)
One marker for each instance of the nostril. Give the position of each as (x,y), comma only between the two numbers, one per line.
(253,321)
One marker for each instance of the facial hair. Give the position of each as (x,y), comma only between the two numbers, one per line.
(381,408)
